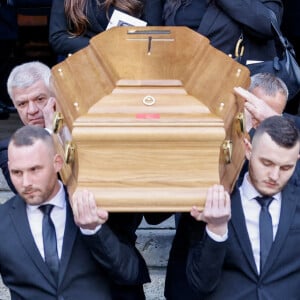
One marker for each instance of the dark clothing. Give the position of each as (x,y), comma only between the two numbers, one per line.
(64,43)
(189,15)
(224,20)
(123,225)
(227,270)
(8,38)
(87,265)
(176,285)
(3,163)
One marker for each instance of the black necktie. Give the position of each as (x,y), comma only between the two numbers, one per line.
(265,228)
(49,240)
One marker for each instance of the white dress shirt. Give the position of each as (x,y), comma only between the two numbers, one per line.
(251,210)
(58,216)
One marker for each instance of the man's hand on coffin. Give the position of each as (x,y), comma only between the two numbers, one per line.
(256,107)
(216,212)
(48,112)
(86,213)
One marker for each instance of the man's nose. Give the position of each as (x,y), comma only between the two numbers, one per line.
(32,107)
(26,180)
(274,174)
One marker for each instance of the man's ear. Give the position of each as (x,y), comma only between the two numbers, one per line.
(248,148)
(58,162)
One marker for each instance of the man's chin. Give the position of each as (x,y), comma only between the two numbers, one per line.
(32,200)
(269,190)
(38,122)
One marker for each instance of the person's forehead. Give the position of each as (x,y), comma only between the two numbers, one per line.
(276,102)
(37,149)
(266,148)
(36,89)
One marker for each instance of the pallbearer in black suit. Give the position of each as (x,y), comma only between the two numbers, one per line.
(28,87)
(86,256)
(241,248)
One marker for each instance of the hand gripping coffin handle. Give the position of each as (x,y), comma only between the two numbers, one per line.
(227,151)
(240,123)
(69,152)
(58,122)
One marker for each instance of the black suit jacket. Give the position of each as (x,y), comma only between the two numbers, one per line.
(227,270)
(88,263)
(225,20)
(122,225)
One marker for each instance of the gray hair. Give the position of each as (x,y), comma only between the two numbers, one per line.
(27,74)
(269,83)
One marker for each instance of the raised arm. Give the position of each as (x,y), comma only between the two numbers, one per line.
(206,256)
(120,258)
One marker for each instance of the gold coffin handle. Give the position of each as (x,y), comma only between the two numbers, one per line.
(240,123)
(58,122)
(227,151)
(69,152)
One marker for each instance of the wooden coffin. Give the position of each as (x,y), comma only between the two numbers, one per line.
(149,119)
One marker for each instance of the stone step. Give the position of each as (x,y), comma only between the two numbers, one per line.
(155,289)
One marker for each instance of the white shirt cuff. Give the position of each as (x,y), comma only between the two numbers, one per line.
(49,130)
(216,237)
(90,231)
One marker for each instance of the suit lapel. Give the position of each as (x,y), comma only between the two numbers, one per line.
(70,235)
(240,229)
(288,208)
(20,220)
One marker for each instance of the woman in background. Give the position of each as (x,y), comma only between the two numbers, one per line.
(74,22)
(224,21)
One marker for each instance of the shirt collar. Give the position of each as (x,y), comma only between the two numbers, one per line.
(250,193)
(58,200)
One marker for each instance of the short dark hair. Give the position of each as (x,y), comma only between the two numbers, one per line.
(27,136)
(282,131)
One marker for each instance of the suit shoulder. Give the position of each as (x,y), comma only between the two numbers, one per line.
(292,190)
(4,144)
(5,206)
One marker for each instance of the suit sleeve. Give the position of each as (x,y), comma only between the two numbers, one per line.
(60,39)
(205,263)
(253,14)
(121,259)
